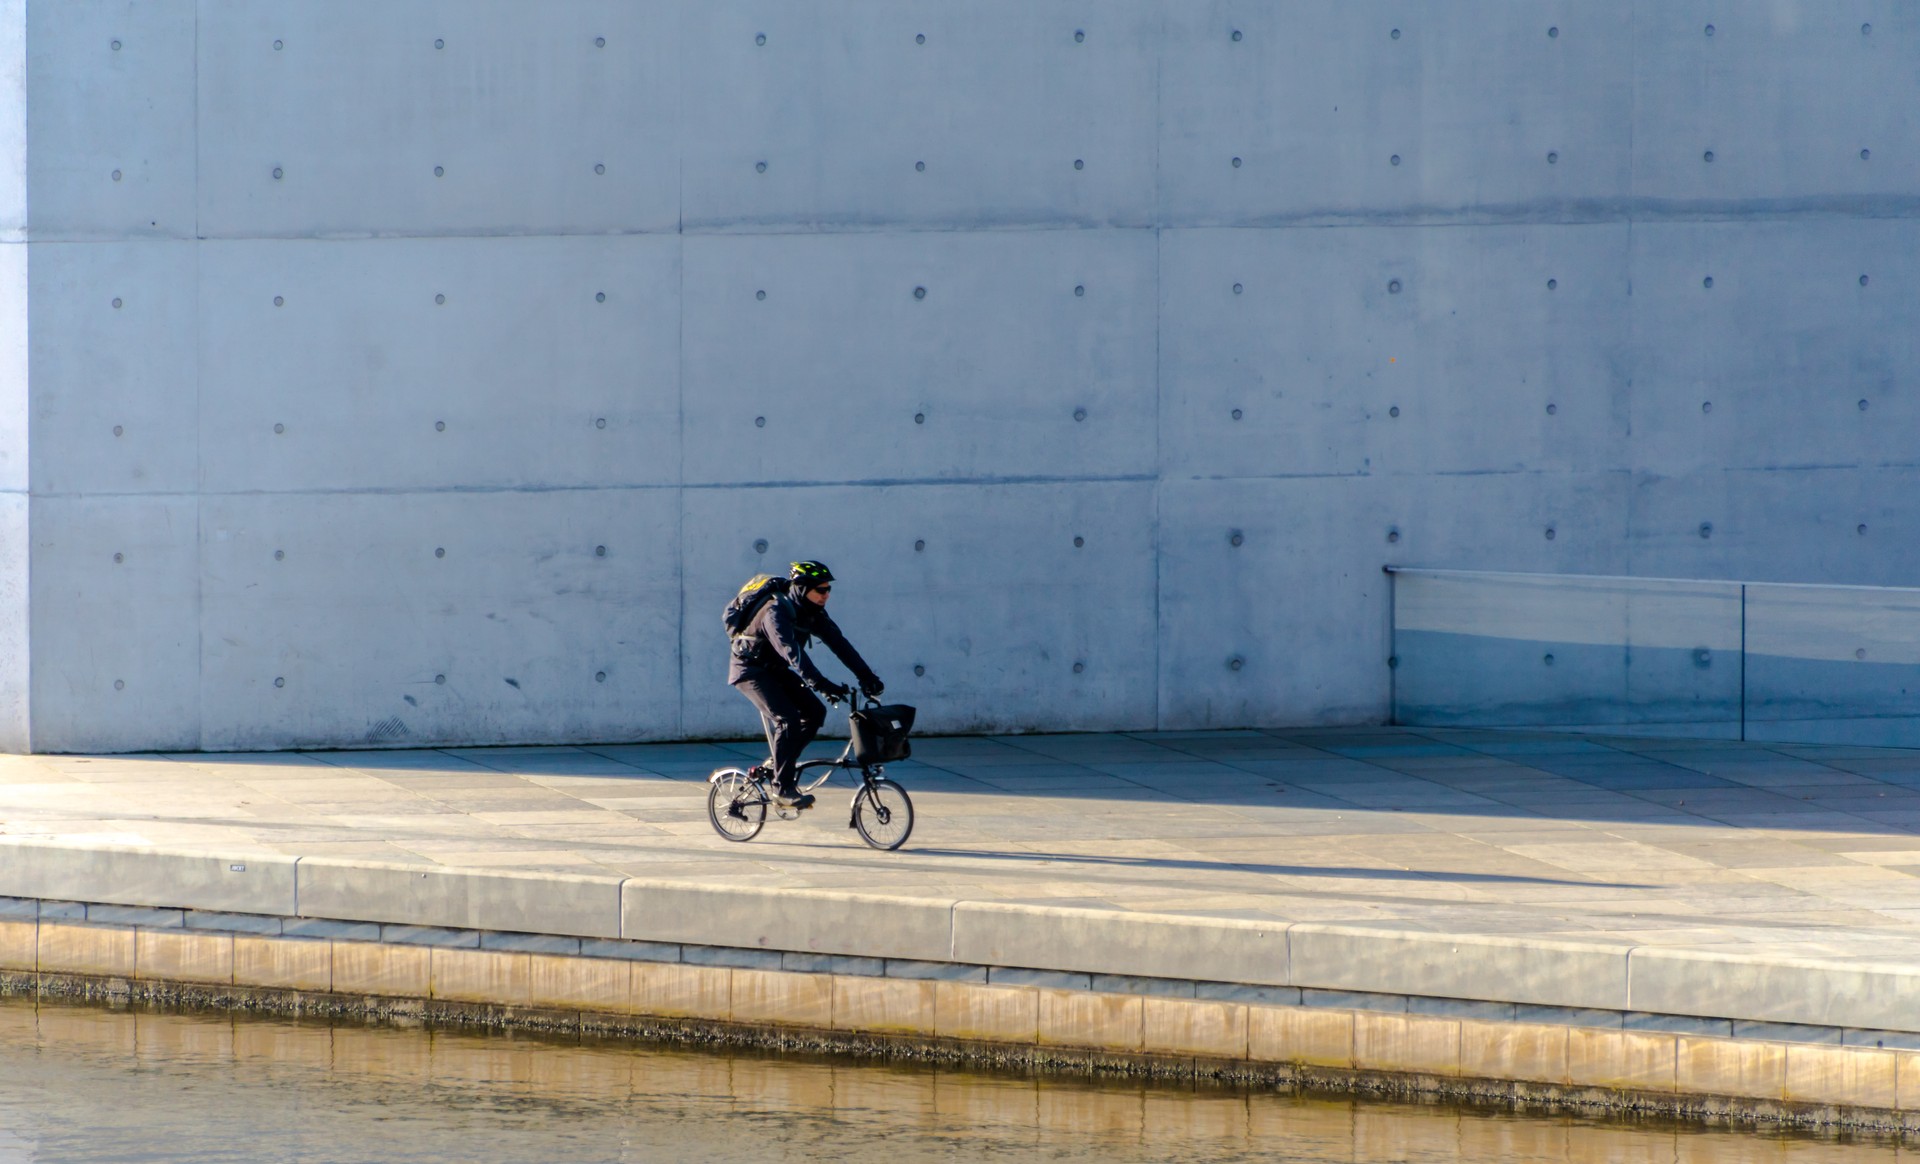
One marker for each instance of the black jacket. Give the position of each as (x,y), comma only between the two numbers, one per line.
(779,636)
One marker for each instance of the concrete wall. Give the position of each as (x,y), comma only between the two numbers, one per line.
(1182,262)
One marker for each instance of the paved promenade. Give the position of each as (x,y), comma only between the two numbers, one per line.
(1793,852)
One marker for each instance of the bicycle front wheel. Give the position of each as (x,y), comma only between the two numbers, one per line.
(883,814)
(736,806)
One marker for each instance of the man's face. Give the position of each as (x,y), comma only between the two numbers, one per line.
(818,595)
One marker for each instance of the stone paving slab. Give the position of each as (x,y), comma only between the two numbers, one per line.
(1794,856)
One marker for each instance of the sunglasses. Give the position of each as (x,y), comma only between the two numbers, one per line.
(827,589)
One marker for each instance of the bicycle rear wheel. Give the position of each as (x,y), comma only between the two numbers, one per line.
(736,806)
(883,814)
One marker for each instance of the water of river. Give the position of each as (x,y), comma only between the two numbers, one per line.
(88,1083)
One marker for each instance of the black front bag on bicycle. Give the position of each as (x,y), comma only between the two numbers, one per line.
(880,733)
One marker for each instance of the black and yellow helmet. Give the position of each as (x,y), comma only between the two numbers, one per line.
(808,575)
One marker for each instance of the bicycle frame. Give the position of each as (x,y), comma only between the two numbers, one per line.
(844,761)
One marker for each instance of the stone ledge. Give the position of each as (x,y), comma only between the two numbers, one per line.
(1822,992)
(551,903)
(1464,976)
(814,921)
(240,883)
(1101,941)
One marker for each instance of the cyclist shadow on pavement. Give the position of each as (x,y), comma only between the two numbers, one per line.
(1277,870)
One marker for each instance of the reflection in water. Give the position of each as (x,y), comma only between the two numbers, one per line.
(84,1083)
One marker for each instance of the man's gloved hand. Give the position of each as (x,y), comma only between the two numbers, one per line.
(872,687)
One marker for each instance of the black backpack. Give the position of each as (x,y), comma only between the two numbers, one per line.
(759,590)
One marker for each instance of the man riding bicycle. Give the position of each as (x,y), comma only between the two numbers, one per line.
(771,668)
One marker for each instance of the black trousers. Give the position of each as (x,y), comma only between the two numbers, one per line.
(791,714)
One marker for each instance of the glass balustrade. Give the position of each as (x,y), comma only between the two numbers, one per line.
(1656,656)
